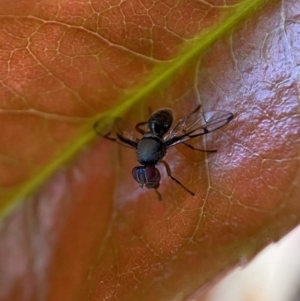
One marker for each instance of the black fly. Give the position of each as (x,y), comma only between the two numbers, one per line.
(159,136)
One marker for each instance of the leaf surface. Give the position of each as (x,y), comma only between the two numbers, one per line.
(78,227)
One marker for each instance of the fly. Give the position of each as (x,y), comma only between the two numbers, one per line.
(160,136)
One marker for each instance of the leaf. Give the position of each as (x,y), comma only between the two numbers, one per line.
(87,232)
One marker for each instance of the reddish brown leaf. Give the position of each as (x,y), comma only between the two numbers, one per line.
(89,233)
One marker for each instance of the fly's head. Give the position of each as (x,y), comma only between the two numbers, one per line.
(148,176)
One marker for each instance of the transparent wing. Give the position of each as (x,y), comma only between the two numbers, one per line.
(117,130)
(196,124)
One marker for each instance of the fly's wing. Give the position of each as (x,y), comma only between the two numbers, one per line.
(117,130)
(196,124)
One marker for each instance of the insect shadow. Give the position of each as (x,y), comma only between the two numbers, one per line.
(159,136)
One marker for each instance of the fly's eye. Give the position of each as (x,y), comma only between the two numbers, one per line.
(152,174)
(137,175)
(147,175)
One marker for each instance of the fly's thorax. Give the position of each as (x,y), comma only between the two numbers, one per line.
(150,150)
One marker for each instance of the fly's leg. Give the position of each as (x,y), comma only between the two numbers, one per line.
(174,179)
(140,130)
(138,126)
(158,194)
(107,136)
(150,111)
(198,149)
(121,140)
